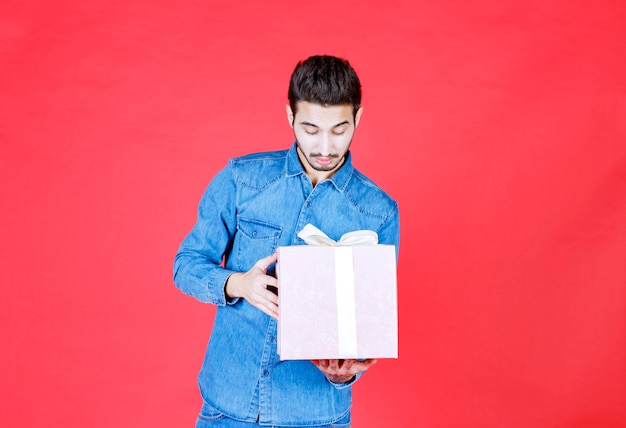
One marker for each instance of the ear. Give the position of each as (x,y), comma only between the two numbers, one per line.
(290,115)
(357,116)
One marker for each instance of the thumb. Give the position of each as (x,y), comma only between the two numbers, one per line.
(266,261)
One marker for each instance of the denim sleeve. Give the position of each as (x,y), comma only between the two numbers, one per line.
(389,233)
(198,269)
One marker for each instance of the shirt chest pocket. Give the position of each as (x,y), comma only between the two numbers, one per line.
(254,240)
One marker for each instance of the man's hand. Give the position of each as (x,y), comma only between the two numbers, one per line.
(252,286)
(341,371)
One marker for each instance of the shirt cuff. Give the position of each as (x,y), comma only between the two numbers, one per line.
(220,277)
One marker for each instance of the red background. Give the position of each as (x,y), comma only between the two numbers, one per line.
(499,126)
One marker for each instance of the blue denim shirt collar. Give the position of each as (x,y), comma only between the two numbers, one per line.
(340,178)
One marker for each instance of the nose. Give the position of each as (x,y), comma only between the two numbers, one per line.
(324,144)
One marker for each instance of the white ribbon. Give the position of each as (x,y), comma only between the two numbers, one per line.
(313,236)
(344,280)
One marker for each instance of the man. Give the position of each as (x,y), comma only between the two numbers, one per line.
(254,205)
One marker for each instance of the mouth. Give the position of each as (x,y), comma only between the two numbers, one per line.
(324,161)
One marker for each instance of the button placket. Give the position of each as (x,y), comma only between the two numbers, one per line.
(306,211)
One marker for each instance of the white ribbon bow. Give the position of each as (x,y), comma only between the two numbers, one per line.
(313,236)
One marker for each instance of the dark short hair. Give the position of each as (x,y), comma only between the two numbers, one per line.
(324,80)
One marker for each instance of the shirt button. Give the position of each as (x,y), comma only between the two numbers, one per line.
(254,233)
(266,373)
(272,339)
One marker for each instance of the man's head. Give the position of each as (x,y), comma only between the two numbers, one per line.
(325,80)
(324,110)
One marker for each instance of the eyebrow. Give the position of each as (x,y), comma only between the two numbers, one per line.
(345,122)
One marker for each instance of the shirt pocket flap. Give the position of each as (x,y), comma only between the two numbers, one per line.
(255,229)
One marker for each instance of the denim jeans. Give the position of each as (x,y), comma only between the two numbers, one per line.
(212,418)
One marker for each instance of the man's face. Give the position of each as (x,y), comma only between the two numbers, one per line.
(323,136)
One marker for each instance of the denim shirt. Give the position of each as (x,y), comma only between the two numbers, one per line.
(254,205)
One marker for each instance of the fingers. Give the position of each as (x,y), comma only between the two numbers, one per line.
(256,286)
(333,368)
(259,296)
(266,261)
(341,371)
(259,286)
(334,365)
(269,309)
(268,305)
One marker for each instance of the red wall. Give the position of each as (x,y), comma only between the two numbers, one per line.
(500,127)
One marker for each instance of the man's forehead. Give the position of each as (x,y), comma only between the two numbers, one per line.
(327,114)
